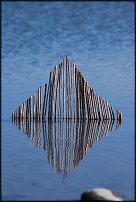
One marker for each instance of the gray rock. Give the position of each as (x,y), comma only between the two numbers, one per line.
(100,194)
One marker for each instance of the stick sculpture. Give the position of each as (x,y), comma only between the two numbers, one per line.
(67,96)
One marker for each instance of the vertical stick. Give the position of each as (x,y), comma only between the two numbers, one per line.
(86,100)
(89,101)
(56,93)
(74,91)
(38,104)
(61,91)
(71,95)
(99,109)
(43,110)
(20,112)
(93,104)
(34,106)
(63,87)
(68,89)
(78,99)
(27,110)
(80,95)
(40,101)
(66,92)
(30,108)
(47,102)
(23,111)
(59,114)
(68,75)
(84,97)
(50,97)
(102,105)
(19,116)
(105,117)
(53,91)
(12,116)
(96,106)
(71,87)
(95,112)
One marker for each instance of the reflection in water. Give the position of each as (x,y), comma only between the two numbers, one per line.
(66,142)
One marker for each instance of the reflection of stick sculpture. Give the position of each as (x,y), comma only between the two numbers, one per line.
(66,142)
(68,95)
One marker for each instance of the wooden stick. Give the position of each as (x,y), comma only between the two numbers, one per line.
(74,92)
(12,116)
(34,106)
(56,94)
(61,94)
(66,91)
(38,104)
(99,109)
(93,104)
(31,116)
(43,110)
(78,90)
(48,92)
(71,90)
(59,112)
(27,108)
(87,102)
(51,95)
(96,106)
(68,114)
(103,111)
(23,111)
(40,101)
(64,88)
(53,91)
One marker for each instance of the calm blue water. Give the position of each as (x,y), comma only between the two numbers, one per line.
(99,38)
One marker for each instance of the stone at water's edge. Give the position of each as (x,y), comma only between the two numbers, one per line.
(100,194)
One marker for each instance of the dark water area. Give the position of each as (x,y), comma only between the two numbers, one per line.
(99,38)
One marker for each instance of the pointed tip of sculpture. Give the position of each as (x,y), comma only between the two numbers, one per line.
(65,55)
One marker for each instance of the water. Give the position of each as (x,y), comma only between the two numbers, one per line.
(99,38)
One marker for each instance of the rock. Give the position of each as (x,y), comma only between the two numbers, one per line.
(100,194)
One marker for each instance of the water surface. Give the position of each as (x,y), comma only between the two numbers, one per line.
(99,38)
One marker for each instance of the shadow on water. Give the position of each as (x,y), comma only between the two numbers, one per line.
(66,142)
